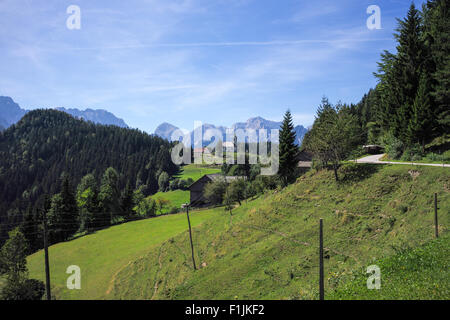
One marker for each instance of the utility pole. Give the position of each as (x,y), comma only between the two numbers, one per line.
(47,267)
(190,235)
(321,282)
(436,225)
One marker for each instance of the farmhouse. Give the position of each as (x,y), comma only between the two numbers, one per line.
(196,189)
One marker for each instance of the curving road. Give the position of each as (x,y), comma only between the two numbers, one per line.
(376,159)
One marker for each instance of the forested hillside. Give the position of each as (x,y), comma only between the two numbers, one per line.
(408,112)
(411,103)
(46,146)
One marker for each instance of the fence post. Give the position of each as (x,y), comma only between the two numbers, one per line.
(190,236)
(321,282)
(47,265)
(436,225)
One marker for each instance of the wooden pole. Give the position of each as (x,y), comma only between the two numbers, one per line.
(190,237)
(47,266)
(321,282)
(436,225)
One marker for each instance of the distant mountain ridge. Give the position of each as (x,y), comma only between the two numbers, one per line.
(99,116)
(165,129)
(11,113)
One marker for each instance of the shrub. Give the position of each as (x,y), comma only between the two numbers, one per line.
(23,289)
(412,153)
(214,191)
(174,210)
(393,146)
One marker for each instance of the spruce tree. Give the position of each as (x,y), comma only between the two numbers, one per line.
(69,210)
(63,214)
(437,29)
(288,150)
(421,122)
(126,202)
(407,68)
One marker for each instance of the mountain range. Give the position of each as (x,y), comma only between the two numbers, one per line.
(165,129)
(11,112)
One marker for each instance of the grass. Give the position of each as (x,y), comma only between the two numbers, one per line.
(422,273)
(428,158)
(267,249)
(176,198)
(196,171)
(102,254)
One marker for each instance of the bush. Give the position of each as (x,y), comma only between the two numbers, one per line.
(174,210)
(24,289)
(393,146)
(412,153)
(146,208)
(215,191)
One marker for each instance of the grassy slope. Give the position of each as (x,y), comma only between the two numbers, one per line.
(102,254)
(419,273)
(269,250)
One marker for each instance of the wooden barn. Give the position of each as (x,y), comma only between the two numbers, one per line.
(196,189)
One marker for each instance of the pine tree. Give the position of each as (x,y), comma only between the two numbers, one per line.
(288,150)
(126,202)
(407,68)
(421,122)
(30,228)
(437,29)
(63,214)
(69,209)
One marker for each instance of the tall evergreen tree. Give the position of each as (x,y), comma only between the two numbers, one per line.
(407,68)
(126,202)
(70,208)
(288,150)
(421,122)
(63,214)
(437,36)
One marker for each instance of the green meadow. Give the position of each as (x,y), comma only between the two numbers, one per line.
(103,254)
(196,171)
(176,198)
(267,248)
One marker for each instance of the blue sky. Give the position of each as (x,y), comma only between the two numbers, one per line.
(216,61)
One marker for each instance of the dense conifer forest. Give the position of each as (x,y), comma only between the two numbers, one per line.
(48,152)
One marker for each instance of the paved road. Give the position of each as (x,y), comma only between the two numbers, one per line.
(376,159)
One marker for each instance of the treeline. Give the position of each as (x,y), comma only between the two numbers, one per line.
(49,150)
(411,103)
(409,107)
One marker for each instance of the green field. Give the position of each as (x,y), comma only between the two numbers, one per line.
(176,198)
(102,254)
(268,248)
(196,171)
